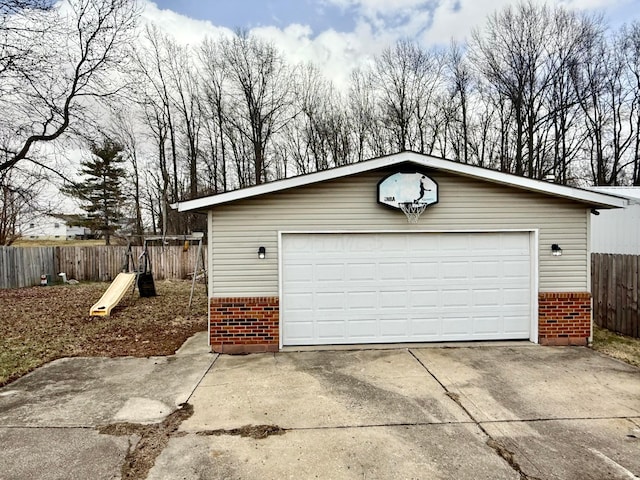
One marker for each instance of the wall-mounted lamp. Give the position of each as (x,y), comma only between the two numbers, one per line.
(262,252)
(556,251)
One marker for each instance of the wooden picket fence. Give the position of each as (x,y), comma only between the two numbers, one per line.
(615,284)
(23,266)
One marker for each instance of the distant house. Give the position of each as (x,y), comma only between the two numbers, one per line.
(53,227)
(617,230)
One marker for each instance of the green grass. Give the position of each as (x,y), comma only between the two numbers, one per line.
(615,345)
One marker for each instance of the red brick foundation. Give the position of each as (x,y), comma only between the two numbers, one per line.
(244,324)
(564,318)
(251,324)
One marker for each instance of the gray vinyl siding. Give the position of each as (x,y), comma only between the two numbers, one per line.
(349,204)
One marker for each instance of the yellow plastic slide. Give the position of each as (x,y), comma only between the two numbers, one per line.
(113,295)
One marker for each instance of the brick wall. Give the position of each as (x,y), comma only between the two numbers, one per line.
(244,324)
(564,318)
(251,324)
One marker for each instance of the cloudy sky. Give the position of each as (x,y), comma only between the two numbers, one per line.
(339,34)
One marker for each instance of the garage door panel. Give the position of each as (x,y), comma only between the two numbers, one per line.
(420,270)
(393,299)
(491,324)
(299,330)
(405,287)
(300,302)
(487,297)
(517,326)
(394,327)
(425,328)
(392,271)
(423,298)
(300,273)
(519,268)
(330,301)
(456,325)
(454,298)
(362,300)
(487,270)
(362,328)
(329,272)
(455,270)
(361,271)
(517,298)
(331,329)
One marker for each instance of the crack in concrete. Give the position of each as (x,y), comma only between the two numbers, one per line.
(152,440)
(501,450)
(257,432)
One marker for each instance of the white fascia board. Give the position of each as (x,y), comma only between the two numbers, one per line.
(594,199)
(285,184)
(587,196)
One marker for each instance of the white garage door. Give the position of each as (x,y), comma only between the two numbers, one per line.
(405,287)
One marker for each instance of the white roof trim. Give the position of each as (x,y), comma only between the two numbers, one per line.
(595,199)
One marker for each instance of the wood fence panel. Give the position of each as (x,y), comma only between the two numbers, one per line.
(22,266)
(615,281)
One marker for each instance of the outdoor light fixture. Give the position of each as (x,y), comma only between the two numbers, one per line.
(556,250)
(262,252)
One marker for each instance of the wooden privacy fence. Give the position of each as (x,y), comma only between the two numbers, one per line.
(615,280)
(23,266)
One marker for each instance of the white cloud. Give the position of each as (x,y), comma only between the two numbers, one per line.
(336,54)
(378,24)
(183,29)
(455,19)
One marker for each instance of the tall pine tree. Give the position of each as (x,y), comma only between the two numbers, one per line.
(100,193)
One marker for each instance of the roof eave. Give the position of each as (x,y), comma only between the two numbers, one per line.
(589,197)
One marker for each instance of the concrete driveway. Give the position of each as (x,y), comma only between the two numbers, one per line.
(493,412)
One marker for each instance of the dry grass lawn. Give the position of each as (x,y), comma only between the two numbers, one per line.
(618,346)
(41,324)
(59,243)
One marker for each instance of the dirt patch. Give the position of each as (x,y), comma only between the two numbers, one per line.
(254,431)
(152,441)
(41,324)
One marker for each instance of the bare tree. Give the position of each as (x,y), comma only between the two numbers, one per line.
(20,194)
(260,96)
(318,136)
(510,53)
(84,44)
(158,100)
(606,100)
(22,26)
(214,108)
(460,81)
(630,41)
(361,114)
(125,130)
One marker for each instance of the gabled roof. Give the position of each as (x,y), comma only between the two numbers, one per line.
(591,198)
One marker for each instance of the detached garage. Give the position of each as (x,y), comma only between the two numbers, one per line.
(404,248)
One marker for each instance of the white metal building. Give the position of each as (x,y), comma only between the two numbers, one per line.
(618,230)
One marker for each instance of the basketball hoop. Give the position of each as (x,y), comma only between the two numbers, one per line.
(412,210)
